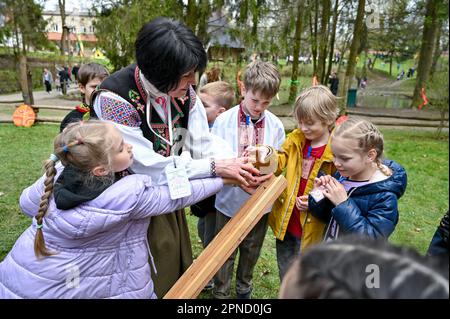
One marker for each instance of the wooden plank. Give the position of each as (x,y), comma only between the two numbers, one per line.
(52,107)
(396,116)
(11,101)
(227,240)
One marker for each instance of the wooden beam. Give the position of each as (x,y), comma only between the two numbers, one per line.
(227,240)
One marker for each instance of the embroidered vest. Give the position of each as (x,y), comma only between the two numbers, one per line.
(127,84)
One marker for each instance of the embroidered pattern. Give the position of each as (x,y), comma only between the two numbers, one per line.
(119,112)
(136,98)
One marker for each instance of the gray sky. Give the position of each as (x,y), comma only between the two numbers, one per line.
(70,4)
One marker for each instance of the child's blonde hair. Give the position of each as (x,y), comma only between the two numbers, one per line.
(83,145)
(262,77)
(221,91)
(366,134)
(316,102)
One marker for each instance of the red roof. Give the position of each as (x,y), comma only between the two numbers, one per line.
(56,36)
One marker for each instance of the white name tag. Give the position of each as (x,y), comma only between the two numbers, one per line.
(178,181)
(317,194)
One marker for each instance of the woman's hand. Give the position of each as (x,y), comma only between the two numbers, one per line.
(302,203)
(253,186)
(238,169)
(335,192)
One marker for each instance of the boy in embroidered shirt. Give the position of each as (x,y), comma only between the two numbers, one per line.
(246,124)
(90,75)
(216,97)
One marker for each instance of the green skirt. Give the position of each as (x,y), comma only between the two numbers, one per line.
(170,245)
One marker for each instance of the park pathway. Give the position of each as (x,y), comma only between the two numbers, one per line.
(384,118)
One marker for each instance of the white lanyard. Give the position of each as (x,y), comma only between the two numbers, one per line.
(169,121)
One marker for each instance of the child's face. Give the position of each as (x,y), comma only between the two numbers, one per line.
(122,152)
(212,108)
(89,88)
(255,103)
(349,160)
(313,128)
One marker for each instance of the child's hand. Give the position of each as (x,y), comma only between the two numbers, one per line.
(258,180)
(335,192)
(322,180)
(302,203)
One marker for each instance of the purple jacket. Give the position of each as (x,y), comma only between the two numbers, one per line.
(101,245)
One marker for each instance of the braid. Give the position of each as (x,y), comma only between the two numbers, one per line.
(383,168)
(39,242)
(82,145)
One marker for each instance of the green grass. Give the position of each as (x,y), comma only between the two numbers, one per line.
(425,158)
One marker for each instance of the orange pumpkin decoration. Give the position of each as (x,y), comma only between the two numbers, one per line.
(24,116)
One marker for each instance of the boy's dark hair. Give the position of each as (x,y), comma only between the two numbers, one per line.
(346,269)
(90,71)
(165,50)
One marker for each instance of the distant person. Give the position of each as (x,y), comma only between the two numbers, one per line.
(58,83)
(401,75)
(210,76)
(363,83)
(64,78)
(47,78)
(362,197)
(334,83)
(360,268)
(75,69)
(89,76)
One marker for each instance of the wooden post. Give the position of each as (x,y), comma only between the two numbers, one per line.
(227,240)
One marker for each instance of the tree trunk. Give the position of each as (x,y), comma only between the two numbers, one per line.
(203,17)
(313,29)
(332,40)
(24,85)
(426,50)
(321,64)
(296,53)
(437,50)
(351,64)
(191,14)
(390,64)
(62,12)
(255,19)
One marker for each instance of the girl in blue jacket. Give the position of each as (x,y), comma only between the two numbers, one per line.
(362,197)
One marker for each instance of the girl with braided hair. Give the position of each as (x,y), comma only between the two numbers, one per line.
(85,241)
(362,197)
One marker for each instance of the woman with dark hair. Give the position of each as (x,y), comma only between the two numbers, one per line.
(157,111)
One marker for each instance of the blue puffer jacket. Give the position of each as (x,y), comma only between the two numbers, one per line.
(371,210)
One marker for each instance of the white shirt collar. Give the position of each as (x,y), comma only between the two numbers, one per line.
(151,90)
